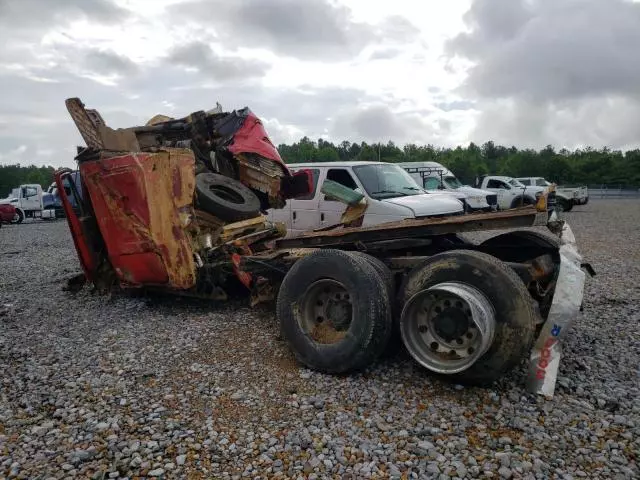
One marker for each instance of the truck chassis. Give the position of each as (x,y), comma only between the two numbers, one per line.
(345,295)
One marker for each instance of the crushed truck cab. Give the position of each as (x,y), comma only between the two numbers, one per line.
(180,206)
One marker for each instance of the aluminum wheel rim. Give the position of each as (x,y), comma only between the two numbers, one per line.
(326,312)
(446,328)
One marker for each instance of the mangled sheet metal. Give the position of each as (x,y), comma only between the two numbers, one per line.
(234,144)
(567,300)
(143,205)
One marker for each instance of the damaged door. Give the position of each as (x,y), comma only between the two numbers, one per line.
(330,210)
(305,215)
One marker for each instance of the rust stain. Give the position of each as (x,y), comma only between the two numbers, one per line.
(166,200)
(260,176)
(326,334)
(494,220)
(177,184)
(156,220)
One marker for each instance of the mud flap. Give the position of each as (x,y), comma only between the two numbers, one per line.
(567,301)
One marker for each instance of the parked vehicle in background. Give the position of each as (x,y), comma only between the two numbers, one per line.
(7,214)
(567,197)
(28,201)
(435,177)
(511,193)
(390,192)
(51,198)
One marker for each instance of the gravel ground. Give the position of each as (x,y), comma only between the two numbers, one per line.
(98,387)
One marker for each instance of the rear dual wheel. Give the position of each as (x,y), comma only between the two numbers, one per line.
(466,315)
(395,340)
(335,311)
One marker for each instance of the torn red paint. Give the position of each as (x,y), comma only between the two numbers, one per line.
(137,199)
(252,138)
(244,277)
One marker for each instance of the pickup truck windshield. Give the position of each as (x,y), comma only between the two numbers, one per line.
(386,181)
(452,182)
(515,183)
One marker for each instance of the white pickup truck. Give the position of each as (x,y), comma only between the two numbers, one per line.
(435,177)
(511,193)
(28,201)
(567,197)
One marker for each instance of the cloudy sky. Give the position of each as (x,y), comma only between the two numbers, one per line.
(519,72)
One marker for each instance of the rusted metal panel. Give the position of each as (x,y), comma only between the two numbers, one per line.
(89,259)
(143,205)
(244,227)
(521,217)
(95,132)
(264,176)
(252,176)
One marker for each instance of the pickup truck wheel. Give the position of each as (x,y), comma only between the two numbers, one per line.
(334,311)
(226,198)
(521,202)
(566,205)
(466,315)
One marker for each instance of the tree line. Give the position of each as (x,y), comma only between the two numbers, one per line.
(12,176)
(584,166)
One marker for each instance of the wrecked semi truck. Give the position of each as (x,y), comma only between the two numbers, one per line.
(172,206)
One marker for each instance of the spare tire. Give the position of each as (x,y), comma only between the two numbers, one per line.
(334,311)
(226,198)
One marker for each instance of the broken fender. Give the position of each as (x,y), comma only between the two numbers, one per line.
(567,300)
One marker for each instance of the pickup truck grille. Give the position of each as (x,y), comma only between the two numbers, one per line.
(492,199)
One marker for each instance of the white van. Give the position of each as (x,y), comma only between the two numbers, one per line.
(390,192)
(435,177)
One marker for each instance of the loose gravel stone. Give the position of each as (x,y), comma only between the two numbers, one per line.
(127,386)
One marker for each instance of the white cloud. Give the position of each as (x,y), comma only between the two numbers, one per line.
(560,72)
(407,71)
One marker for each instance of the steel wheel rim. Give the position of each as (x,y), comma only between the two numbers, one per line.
(446,328)
(326,312)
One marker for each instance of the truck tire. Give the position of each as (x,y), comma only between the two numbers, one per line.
(522,201)
(226,198)
(477,321)
(395,340)
(334,311)
(382,269)
(19,218)
(524,238)
(566,204)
